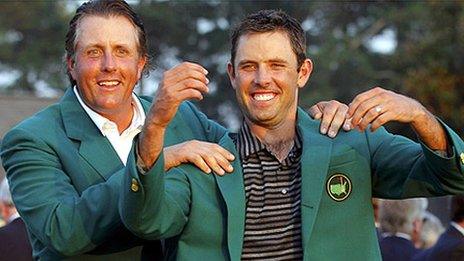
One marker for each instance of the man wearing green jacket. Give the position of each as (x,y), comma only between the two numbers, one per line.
(294,194)
(65,165)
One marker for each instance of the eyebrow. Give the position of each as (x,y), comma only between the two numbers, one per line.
(97,45)
(277,60)
(246,61)
(272,60)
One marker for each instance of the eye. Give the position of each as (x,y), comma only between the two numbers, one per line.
(277,66)
(122,52)
(248,67)
(93,52)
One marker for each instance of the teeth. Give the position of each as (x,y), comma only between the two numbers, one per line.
(108,83)
(264,96)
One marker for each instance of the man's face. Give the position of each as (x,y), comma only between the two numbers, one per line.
(266,78)
(107,64)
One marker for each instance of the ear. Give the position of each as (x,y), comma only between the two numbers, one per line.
(231,73)
(71,64)
(417,225)
(140,66)
(305,72)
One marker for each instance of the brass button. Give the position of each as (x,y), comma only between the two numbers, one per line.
(462,157)
(135,185)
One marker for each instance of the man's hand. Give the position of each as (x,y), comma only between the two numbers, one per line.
(333,117)
(204,155)
(183,82)
(379,106)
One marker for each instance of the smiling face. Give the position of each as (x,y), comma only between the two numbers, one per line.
(107,64)
(266,78)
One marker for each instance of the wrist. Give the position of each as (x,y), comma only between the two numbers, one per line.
(422,117)
(150,145)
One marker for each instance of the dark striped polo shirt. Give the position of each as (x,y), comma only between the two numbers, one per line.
(272,190)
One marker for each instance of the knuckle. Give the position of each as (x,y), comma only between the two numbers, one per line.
(216,147)
(384,95)
(209,158)
(362,107)
(189,83)
(382,120)
(197,158)
(370,114)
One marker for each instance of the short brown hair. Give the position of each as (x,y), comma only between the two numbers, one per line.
(106,8)
(267,21)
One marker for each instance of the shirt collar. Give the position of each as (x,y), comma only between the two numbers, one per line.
(13,217)
(458,227)
(248,144)
(397,234)
(104,124)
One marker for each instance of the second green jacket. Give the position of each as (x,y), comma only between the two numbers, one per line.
(202,216)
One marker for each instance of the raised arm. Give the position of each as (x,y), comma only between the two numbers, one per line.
(183,82)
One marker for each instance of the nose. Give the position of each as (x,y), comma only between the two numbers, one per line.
(262,77)
(108,62)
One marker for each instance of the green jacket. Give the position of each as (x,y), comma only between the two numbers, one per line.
(65,179)
(202,216)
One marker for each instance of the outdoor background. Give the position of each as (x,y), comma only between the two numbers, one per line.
(414,48)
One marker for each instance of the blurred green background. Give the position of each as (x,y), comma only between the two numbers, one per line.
(415,48)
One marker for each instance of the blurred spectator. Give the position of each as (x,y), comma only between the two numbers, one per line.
(431,230)
(401,222)
(14,243)
(375,206)
(450,245)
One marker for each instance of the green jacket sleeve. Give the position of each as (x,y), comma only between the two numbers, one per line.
(154,205)
(402,168)
(58,215)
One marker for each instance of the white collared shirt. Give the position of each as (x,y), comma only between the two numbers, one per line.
(13,217)
(122,144)
(458,227)
(397,234)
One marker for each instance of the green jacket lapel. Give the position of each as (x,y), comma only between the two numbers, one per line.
(314,166)
(233,192)
(94,147)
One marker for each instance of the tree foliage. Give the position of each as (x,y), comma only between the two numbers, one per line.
(426,61)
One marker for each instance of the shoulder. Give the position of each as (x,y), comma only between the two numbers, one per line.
(41,122)
(35,131)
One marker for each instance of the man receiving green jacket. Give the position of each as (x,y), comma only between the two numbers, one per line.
(294,194)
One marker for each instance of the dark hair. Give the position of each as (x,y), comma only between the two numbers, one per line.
(106,8)
(267,21)
(457,208)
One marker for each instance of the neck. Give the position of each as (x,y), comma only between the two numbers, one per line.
(123,119)
(279,139)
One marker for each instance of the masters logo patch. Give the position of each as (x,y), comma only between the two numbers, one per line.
(339,187)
